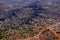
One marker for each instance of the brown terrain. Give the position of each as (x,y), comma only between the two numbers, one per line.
(49,28)
(29,20)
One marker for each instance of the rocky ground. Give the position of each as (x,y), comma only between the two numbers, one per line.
(24,19)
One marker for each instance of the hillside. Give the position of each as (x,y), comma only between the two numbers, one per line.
(20,19)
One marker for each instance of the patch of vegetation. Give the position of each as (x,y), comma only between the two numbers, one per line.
(2,36)
(14,28)
(13,12)
(26,20)
(47,30)
(32,33)
(2,30)
(2,19)
(25,32)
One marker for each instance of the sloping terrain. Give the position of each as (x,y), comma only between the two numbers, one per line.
(21,19)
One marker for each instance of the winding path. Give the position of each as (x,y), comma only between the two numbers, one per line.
(44,28)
